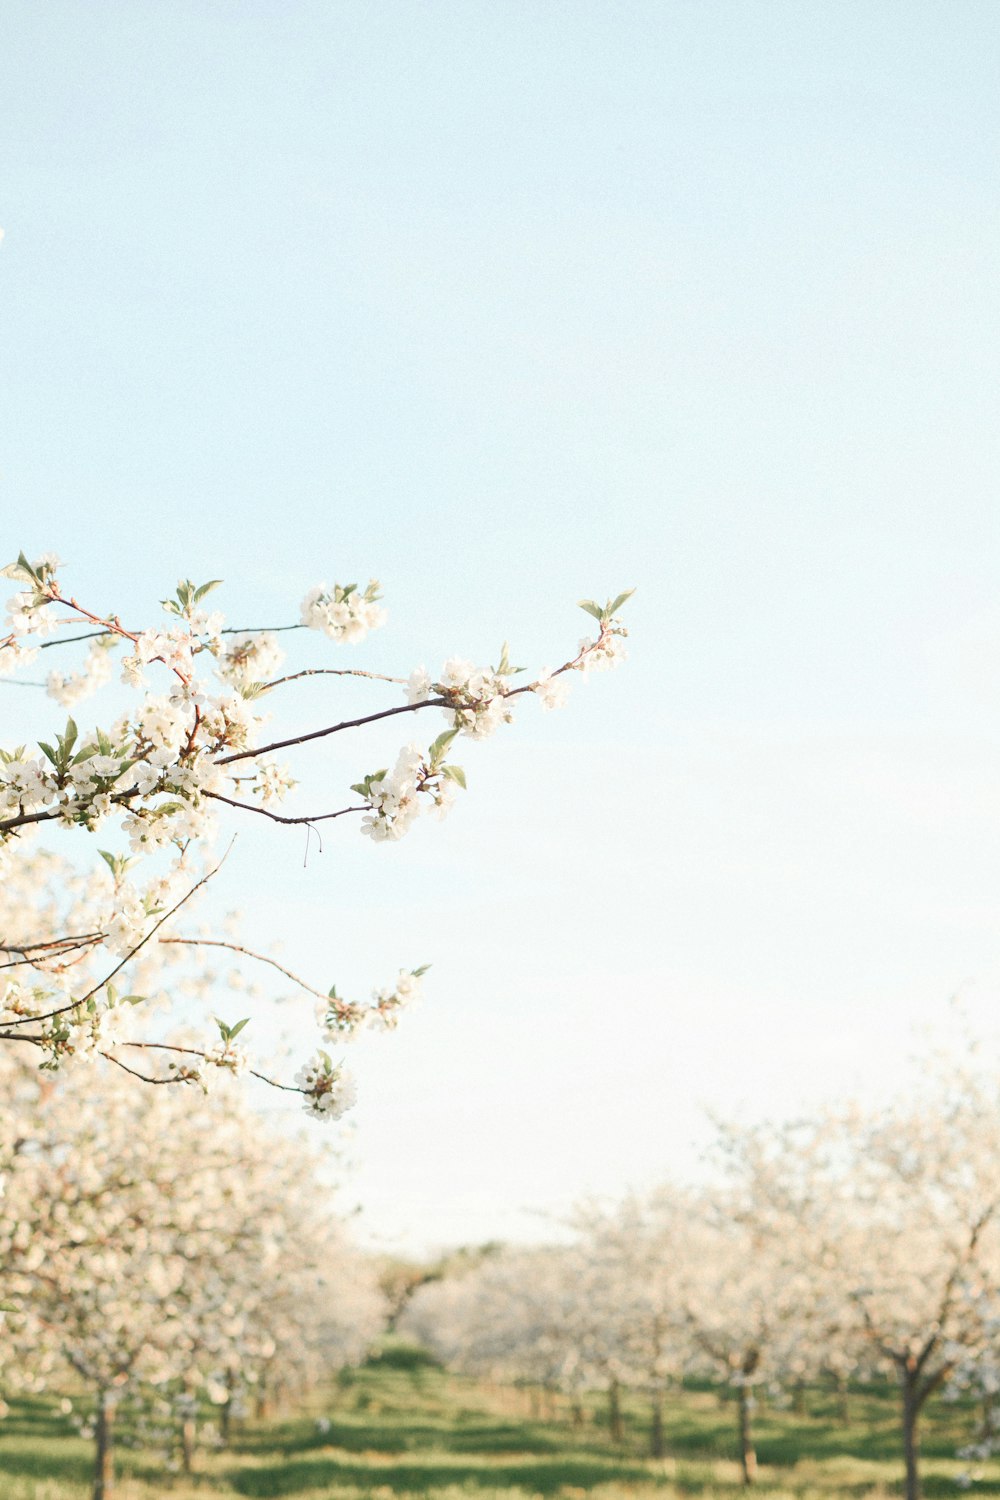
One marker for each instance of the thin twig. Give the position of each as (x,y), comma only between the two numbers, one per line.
(290,1088)
(280,817)
(261,958)
(333,672)
(157,925)
(74,1004)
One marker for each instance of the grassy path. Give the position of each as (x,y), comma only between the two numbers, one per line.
(419,1432)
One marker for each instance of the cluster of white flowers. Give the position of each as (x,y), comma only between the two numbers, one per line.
(342,1019)
(27,610)
(329,1091)
(344,613)
(174,648)
(273,782)
(97,1032)
(228,720)
(95,674)
(25,785)
(387,1003)
(393,797)
(227,1055)
(599,655)
(17,1000)
(163,726)
(130,920)
(476,696)
(551,691)
(14,656)
(250,658)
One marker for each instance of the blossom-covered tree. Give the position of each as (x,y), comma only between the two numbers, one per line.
(918,1246)
(145,1249)
(153,780)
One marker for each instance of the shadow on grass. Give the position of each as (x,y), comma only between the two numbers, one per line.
(44,1463)
(542,1479)
(407,1436)
(939,1485)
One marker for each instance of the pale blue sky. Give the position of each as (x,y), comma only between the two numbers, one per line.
(507,303)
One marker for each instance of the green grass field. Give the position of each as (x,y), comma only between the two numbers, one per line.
(401,1428)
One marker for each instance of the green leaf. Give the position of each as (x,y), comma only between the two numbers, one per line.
(25,570)
(132,999)
(206,588)
(69,738)
(419,973)
(48,751)
(235,1030)
(332,992)
(455,773)
(591,608)
(616,604)
(109,860)
(441,744)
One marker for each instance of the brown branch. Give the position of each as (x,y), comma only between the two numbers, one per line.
(90,635)
(71,940)
(265,812)
(22,819)
(318,734)
(262,958)
(333,672)
(289,1088)
(111,625)
(259,629)
(143,1077)
(404,708)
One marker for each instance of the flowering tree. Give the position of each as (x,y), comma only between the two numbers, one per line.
(629,1261)
(887,1229)
(146,1249)
(597,1314)
(918,1247)
(188,747)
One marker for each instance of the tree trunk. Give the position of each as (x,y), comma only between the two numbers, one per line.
(104,1454)
(616,1425)
(748,1454)
(911,1436)
(187,1443)
(656,1446)
(843,1398)
(577,1414)
(799,1398)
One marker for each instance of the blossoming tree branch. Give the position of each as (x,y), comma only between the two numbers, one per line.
(86,958)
